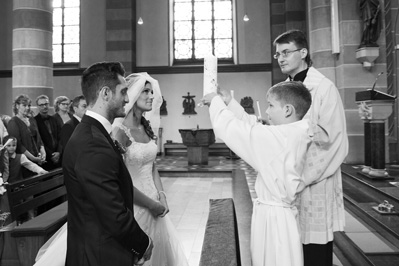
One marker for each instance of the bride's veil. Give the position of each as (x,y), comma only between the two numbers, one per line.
(136,83)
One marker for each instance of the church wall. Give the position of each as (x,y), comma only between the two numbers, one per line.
(253,36)
(153,50)
(99,30)
(92,19)
(243,84)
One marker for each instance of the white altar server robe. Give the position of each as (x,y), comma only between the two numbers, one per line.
(278,154)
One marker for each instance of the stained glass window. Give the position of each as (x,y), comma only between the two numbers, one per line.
(66,31)
(202,27)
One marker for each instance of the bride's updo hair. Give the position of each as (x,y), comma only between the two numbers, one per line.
(147,128)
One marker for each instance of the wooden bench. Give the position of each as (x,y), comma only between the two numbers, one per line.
(179,149)
(22,242)
(221,245)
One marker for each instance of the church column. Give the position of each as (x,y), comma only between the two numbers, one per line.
(32,63)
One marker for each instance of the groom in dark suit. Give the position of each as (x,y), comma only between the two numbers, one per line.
(101,227)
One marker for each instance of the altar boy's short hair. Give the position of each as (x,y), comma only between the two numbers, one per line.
(294,93)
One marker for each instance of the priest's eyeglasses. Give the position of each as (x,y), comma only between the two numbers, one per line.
(285,53)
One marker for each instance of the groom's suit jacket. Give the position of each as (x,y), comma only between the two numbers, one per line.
(101,226)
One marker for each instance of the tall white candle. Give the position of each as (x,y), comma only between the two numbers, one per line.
(210,74)
(232,94)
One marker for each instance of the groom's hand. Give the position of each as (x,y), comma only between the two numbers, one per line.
(148,252)
(146,256)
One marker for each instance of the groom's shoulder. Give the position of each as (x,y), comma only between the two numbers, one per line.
(88,132)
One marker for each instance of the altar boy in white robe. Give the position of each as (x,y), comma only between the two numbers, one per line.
(278,152)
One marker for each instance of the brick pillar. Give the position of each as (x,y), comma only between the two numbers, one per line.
(121,32)
(319,15)
(32,63)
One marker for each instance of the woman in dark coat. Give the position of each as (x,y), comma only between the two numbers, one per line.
(21,127)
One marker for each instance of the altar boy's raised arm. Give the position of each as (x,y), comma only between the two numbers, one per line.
(245,139)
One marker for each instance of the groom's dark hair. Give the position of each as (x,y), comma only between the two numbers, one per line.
(98,76)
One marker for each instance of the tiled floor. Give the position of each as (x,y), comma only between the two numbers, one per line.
(189,208)
(188,199)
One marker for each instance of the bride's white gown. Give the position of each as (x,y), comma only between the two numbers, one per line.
(139,159)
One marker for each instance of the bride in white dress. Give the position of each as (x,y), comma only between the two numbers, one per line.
(139,138)
(138,142)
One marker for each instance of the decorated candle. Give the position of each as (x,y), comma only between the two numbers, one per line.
(210,74)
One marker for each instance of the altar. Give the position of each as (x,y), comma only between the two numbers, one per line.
(197,142)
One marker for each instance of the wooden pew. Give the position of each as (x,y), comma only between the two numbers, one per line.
(221,242)
(25,195)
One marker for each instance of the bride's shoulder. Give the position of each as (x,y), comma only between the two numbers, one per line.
(122,134)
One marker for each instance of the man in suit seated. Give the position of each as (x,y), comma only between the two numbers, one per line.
(50,132)
(78,109)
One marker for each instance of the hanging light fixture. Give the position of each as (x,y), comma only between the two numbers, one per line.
(245,18)
(140,21)
(138,6)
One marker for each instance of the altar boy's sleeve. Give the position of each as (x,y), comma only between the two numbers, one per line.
(240,113)
(256,144)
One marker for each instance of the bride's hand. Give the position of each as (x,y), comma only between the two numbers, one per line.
(157,209)
(162,198)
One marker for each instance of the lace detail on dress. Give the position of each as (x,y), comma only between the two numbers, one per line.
(139,159)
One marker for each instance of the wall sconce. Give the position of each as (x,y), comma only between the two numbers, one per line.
(140,21)
(367,55)
(246,18)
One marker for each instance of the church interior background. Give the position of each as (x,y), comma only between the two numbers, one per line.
(108,31)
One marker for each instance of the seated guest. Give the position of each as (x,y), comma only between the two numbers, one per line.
(16,163)
(61,108)
(21,127)
(78,109)
(50,132)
